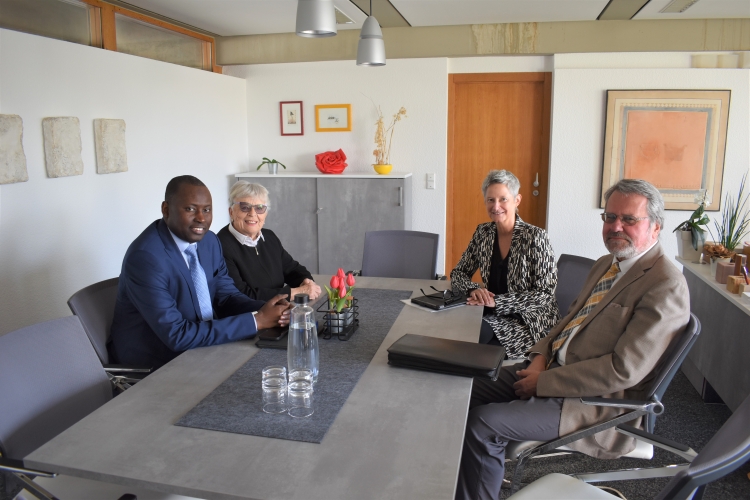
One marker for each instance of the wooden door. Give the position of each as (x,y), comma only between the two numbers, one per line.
(495,121)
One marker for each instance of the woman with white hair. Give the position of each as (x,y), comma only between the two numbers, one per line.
(256,260)
(518,271)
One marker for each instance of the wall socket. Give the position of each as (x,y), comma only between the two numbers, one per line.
(430,181)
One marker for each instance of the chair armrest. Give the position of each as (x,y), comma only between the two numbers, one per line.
(355,272)
(441,277)
(661,442)
(653,407)
(126,369)
(17,466)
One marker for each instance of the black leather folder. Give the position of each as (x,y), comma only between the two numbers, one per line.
(447,356)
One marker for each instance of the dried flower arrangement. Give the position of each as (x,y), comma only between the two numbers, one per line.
(717,251)
(384,136)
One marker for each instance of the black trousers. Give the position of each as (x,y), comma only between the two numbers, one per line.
(497,416)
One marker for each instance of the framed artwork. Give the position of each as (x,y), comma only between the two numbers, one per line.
(333,117)
(675,139)
(290,114)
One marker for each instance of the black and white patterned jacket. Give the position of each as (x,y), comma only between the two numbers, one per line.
(532,278)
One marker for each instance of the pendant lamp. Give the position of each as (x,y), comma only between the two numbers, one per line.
(316,18)
(371,48)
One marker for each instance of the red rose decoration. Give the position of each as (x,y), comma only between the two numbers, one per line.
(331,162)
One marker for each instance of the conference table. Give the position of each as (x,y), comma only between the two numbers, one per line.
(399,434)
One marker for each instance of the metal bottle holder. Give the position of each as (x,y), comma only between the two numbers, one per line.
(341,325)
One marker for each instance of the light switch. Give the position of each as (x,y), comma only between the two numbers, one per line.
(430,181)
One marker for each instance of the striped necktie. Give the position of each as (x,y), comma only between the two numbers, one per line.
(200,283)
(600,290)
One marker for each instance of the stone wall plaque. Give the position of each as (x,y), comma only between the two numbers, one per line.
(62,146)
(12,157)
(111,154)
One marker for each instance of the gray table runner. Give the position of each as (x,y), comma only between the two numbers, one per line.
(235,406)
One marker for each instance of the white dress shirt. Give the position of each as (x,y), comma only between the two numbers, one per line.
(246,240)
(182,245)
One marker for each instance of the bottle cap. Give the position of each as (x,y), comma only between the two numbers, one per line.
(301,298)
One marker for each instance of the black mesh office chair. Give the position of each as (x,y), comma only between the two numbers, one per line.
(400,254)
(650,408)
(95,307)
(572,271)
(723,454)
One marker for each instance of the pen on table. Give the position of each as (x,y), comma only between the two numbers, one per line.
(744,273)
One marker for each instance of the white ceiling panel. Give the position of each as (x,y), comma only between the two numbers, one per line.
(703,9)
(240,17)
(254,17)
(448,12)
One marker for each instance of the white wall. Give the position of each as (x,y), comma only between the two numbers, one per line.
(59,235)
(420,85)
(579,100)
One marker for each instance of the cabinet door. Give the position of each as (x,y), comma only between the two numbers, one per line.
(292,216)
(348,208)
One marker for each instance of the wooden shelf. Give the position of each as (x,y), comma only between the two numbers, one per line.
(703,271)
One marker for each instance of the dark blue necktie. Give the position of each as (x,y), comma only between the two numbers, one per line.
(200,283)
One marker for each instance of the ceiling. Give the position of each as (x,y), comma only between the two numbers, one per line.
(254,17)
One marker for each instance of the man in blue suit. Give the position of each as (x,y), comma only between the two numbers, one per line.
(175,293)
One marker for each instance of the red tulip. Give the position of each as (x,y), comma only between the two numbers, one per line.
(335,281)
(350,280)
(341,274)
(342,291)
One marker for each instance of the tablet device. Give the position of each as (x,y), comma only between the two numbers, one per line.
(438,302)
(275,337)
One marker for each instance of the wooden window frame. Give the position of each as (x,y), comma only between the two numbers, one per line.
(104,34)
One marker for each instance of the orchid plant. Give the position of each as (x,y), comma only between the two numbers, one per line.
(696,220)
(338,296)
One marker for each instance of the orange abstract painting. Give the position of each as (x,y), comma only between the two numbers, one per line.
(675,139)
(666,148)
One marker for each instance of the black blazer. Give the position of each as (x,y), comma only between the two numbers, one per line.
(263,273)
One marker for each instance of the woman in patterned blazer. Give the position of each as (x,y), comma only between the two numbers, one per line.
(518,270)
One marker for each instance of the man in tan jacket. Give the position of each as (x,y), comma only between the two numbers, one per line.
(634,302)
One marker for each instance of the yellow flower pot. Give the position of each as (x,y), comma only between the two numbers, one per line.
(383,169)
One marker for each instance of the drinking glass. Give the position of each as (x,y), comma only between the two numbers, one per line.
(300,393)
(274,389)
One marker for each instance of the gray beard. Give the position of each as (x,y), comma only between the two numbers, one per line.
(623,253)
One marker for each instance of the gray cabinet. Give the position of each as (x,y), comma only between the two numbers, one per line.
(322,219)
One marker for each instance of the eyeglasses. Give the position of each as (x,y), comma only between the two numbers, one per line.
(627,220)
(247,207)
(448,295)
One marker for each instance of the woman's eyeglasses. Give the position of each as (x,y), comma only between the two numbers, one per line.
(247,207)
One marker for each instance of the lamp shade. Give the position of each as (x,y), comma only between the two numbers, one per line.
(316,18)
(371,48)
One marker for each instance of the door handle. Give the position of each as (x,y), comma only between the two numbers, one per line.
(320,209)
(400,196)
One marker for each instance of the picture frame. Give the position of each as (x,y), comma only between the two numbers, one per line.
(333,117)
(290,114)
(675,139)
